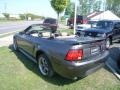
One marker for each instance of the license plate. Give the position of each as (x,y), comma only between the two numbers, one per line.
(95,50)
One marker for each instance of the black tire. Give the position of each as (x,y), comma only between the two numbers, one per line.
(45,66)
(15,46)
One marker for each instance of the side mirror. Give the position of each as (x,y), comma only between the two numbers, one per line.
(116,26)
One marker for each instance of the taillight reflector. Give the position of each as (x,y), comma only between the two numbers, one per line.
(74,54)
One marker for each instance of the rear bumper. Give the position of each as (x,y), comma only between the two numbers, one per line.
(73,70)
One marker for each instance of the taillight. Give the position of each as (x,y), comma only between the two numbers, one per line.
(74,54)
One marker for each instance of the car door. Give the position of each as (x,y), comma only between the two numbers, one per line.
(27,41)
(116,30)
(29,44)
(21,39)
(31,39)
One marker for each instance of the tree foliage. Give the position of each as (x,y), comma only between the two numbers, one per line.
(27,15)
(7,15)
(114,6)
(84,7)
(97,6)
(88,6)
(70,9)
(59,6)
(22,16)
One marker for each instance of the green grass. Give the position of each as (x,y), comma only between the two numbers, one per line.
(69,31)
(17,72)
(62,22)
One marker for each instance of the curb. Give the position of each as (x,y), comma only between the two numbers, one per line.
(9,33)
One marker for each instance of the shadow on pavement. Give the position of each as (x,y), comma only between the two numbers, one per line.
(57,80)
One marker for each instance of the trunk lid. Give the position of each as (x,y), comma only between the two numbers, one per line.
(81,40)
(91,46)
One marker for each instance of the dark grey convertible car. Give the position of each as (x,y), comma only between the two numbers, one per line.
(69,56)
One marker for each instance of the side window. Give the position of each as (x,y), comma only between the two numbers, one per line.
(46,21)
(38,31)
(33,29)
(117,26)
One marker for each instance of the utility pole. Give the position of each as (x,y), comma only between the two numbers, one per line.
(75,16)
(5,7)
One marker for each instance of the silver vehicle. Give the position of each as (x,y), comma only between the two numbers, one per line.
(69,56)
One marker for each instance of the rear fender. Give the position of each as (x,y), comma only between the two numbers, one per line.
(42,50)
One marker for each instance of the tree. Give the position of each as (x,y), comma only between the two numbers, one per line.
(7,15)
(22,16)
(58,6)
(88,6)
(114,6)
(69,11)
(97,6)
(84,7)
(30,15)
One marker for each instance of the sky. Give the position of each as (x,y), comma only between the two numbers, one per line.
(39,7)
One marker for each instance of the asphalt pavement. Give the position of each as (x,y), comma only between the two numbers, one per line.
(14,26)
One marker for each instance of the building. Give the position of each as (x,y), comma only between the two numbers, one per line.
(106,15)
(14,16)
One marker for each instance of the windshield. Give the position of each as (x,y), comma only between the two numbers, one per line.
(80,27)
(90,34)
(50,21)
(104,24)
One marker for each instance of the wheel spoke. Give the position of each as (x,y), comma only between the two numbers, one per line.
(43,66)
(46,70)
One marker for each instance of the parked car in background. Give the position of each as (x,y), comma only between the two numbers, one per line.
(92,23)
(52,22)
(82,27)
(69,56)
(79,20)
(110,29)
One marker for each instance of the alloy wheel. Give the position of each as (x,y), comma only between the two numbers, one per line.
(43,66)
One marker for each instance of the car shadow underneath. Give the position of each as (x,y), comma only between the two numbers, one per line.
(29,64)
(56,80)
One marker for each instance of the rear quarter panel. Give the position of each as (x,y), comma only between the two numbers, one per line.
(55,50)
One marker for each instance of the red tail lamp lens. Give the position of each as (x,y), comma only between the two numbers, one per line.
(74,54)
